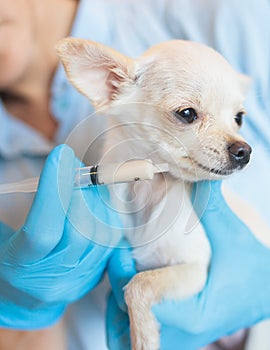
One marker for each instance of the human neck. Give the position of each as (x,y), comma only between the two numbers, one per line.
(28,98)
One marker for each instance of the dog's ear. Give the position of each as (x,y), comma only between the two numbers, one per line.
(95,70)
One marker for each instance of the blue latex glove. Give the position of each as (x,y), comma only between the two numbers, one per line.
(121,269)
(237,293)
(48,263)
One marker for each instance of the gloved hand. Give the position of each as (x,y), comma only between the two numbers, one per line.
(49,263)
(236,295)
(121,269)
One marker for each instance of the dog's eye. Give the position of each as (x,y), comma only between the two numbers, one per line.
(187,115)
(239,118)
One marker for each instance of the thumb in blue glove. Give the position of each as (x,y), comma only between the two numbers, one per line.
(237,293)
(121,269)
(49,262)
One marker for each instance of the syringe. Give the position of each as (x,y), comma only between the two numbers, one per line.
(102,174)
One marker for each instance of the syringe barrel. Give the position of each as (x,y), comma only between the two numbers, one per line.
(133,170)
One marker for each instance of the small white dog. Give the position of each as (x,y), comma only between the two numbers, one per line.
(180,103)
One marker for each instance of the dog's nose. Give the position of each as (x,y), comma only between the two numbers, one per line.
(239,153)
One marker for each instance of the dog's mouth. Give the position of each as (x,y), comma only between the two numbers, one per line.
(217,171)
(221,172)
(236,157)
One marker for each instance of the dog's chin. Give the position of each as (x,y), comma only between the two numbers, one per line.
(203,175)
(199,172)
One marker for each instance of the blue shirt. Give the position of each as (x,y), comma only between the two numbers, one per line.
(238,29)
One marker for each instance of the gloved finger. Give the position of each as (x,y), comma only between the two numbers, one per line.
(117,326)
(76,249)
(74,241)
(73,245)
(121,269)
(172,338)
(181,314)
(45,222)
(182,322)
(90,223)
(91,214)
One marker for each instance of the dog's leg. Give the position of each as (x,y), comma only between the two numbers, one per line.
(149,287)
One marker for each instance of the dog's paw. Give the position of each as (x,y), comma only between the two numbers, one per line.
(145,342)
(144,329)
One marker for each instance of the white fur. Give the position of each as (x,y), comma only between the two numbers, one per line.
(140,96)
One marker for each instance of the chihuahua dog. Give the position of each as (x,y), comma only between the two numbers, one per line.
(179,103)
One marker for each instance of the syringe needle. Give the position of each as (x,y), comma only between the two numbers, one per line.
(26,186)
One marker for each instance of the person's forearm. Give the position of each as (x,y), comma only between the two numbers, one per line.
(52,338)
